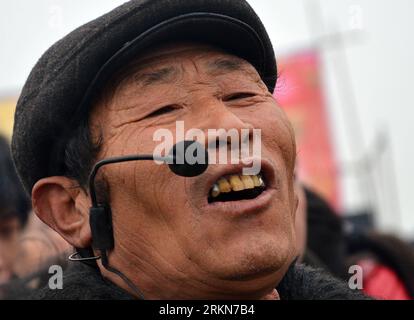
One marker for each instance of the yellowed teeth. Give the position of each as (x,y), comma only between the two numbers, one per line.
(236,182)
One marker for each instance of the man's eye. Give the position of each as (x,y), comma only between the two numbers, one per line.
(162,111)
(238,96)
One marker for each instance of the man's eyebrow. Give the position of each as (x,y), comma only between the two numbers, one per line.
(223,65)
(163,75)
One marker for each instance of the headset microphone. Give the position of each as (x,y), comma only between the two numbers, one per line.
(186,158)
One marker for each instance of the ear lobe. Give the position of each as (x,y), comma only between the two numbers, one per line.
(64,208)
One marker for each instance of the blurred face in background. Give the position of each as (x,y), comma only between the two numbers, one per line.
(14,205)
(10,228)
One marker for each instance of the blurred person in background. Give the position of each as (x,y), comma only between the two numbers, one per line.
(27,246)
(38,246)
(14,209)
(326,242)
(305,254)
(387,262)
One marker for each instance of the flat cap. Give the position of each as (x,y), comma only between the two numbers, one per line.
(59,89)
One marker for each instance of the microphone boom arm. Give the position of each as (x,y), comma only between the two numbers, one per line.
(104,162)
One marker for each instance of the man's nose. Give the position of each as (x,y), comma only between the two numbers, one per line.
(219,122)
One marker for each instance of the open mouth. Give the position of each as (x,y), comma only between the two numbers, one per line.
(236,187)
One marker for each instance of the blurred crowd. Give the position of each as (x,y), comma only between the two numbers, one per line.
(28,247)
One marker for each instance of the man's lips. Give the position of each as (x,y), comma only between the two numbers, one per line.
(244,206)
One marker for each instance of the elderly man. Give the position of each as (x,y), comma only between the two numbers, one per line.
(102,92)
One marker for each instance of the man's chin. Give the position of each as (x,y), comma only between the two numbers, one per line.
(255,264)
(251,273)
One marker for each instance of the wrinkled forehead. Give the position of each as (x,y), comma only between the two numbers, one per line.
(162,64)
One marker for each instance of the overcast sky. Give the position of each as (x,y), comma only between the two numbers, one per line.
(379,52)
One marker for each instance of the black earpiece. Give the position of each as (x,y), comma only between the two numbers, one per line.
(100,220)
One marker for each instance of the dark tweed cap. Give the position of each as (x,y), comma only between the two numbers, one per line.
(60,87)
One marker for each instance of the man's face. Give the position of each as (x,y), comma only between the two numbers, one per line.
(167,234)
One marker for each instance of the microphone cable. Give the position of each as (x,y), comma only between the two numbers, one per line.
(129,283)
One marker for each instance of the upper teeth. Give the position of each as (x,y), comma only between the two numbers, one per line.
(236,182)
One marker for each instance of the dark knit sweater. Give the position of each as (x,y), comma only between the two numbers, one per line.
(301,282)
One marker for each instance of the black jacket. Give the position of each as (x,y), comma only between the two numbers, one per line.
(301,282)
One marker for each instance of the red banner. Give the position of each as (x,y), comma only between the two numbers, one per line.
(300,93)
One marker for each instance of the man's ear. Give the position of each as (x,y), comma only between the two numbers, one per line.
(64,206)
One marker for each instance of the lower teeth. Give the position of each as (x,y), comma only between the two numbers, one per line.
(237,195)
